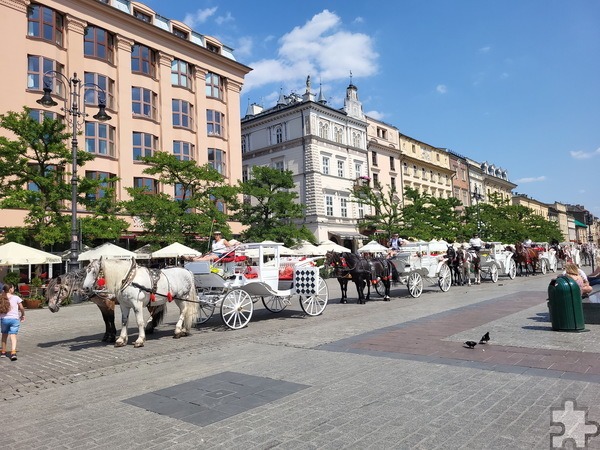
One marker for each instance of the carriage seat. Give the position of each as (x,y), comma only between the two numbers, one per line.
(251,272)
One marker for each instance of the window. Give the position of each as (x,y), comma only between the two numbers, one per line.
(325,164)
(374,158)
(98,43)
(278,135)
(214,120)
(382,133)
(51,171)
(180,33)
(181,74)
(344,207)
(341,169)
(376,180)
(213,48)
(143,60)
(393,183)
(361,210)
(405,165)
(216,158)
(142,16)
(244,145)
(356,139)
(323,130)
(357,169)
(414,149)
(182,114)
(431,176)
(40,114)
(279,165)
(101,190)
(329,205)
(143,102)
(93,96)
(100,138)
(183,151)
(338,134)
(245,174)
(392,163)
(45,23)
(148,184)
(214,86)
(144,144)
(423,174)
(37,66)
(415,172)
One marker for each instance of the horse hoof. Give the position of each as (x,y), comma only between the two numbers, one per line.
(387,299)
(105,338)
(344,301)
(119,344)
(112,339)
(138,345)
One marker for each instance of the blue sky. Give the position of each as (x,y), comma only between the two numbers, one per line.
(512,82)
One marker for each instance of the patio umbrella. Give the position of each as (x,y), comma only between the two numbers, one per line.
(106,250)
(14,254)
(373,247)
(330,246)
(175,250)
(305,248)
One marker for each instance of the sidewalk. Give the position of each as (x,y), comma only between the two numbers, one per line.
(382,375)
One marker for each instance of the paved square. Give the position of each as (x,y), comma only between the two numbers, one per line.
(211,399)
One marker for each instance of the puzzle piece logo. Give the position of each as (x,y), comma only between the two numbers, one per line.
(574,426)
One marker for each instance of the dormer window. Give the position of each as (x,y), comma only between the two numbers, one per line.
(180,33)
(213,48)
(142,16)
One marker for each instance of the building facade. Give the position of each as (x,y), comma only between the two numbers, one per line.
(460,179)
(326,150)
(168,88)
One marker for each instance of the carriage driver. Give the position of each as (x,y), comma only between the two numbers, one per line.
(475,242)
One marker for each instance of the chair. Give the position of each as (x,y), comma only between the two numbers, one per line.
(24,291)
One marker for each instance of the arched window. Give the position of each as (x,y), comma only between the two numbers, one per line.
(278,135)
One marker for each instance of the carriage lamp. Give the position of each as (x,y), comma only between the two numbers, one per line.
(75,116)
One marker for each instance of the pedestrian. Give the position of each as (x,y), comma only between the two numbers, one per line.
(573,272)
(12,314)
(594,277)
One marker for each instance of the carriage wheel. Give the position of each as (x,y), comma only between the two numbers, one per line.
(494,273)
(415,284)
(236,309)
(206,310)
(380,288)
(315,304)
(274,303)
(554,266)
(445,278)
(512,269)
(543,266)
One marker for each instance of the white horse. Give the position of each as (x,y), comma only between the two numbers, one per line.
(134,287)
(470,263)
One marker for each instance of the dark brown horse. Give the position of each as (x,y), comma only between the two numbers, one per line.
(526,258)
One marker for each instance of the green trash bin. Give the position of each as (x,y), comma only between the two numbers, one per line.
(564,303)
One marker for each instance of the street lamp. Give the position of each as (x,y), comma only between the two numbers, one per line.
(589,220)
(477,197)
(73,114)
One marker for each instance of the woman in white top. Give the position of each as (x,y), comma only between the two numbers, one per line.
(11,316)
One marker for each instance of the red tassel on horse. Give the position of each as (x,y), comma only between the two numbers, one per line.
(153,297)
(101,282)
(169,297)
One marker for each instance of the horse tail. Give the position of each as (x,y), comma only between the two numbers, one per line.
(192,309)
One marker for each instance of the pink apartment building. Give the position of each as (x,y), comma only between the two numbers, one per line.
(168,87)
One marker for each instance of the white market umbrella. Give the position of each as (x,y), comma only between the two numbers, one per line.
(143,252)
(373,247)
(330,246)
(175,250)
(106,250)
(305,248)
(13,254)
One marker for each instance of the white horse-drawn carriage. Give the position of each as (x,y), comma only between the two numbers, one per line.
(273,279)
(422,260)
(546,256)
(496,260)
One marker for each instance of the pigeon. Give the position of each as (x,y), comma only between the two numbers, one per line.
(470,344)
(485,338)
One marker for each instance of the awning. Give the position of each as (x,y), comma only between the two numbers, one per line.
(579,224)
(353,235)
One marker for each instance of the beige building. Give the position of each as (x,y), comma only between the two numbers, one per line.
(384,155)
(539,208)
(167,87)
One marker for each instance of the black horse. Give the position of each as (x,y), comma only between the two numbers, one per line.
(455,262)
(349,266)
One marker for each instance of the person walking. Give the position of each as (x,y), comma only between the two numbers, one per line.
(12,314)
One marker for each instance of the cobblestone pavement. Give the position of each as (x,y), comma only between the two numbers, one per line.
(382,375)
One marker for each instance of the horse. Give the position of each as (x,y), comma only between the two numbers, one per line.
(456,266)
(136,286)
(471,262)
(526,257)
(64,286)
(347,266)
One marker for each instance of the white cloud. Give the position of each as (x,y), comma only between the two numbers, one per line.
(485,49)
(578,154)
(320,48)
(358,20)
(531,179)
(441,88)
(375,114)
(224,19)
(200,16)
(244,46)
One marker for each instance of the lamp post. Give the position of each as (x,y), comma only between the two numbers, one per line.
(477,197)
(74,113)
(589,220)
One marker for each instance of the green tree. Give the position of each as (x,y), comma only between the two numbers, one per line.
(191,209)
(270,209)
(385,206)
(33,177)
